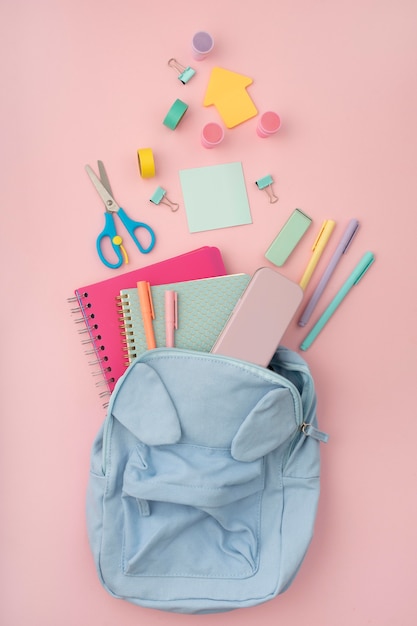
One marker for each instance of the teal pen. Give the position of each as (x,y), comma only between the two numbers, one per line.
(363,265)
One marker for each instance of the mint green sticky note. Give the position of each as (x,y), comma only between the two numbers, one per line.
(215,197)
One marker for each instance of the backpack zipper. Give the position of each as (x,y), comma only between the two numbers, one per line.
(306,429)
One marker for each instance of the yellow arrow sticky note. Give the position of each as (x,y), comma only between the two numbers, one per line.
(227,92)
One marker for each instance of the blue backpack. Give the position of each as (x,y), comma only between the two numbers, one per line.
(204,480)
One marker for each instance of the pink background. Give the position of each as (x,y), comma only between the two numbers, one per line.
(87,80)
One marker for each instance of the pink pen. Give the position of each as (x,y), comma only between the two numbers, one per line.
(171,317)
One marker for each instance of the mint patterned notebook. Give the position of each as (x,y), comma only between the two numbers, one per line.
(204,306)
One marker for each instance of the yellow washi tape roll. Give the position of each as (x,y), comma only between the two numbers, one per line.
(146,162)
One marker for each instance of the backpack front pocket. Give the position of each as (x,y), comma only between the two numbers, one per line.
(192,511)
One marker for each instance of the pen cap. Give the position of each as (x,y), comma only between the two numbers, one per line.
(327,228)
(145,296)
(351,231)
(364,265)
(171,307)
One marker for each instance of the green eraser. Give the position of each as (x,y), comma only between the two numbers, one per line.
(288,237)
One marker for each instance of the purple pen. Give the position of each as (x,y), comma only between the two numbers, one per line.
(342,247)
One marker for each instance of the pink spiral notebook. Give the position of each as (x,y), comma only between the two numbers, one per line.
(100,319)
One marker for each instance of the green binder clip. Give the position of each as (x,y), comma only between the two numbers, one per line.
(184,73)
(159,197)
(266,184)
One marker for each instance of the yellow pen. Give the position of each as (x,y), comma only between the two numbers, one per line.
(318,247)
(148,314)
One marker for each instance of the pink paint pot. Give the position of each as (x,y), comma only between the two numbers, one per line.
(268,124)
(202,44)
(211,135)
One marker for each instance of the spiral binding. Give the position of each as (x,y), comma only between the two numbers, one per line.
(128,342)
(98,349)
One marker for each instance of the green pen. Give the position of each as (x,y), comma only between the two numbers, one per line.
(363,265)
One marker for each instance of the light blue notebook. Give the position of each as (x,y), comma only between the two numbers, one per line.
(204,306)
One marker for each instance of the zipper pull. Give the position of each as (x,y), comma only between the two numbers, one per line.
(310,431)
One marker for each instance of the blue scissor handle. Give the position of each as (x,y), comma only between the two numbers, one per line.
(132,225)
(109,231)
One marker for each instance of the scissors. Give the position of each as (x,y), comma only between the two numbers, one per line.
(102,185)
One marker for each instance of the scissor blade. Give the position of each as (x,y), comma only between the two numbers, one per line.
(103,177)
(106,197)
